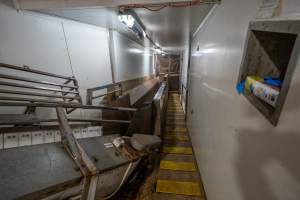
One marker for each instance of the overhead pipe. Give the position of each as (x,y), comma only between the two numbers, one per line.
(160,6)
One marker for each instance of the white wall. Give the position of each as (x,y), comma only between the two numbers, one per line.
(184,75)
(132,60)
(291,8)
(55,45)
(241,156)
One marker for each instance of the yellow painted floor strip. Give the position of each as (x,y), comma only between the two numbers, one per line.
(178,124)
(178,187)
(176,137)
(177,166)
(176,129)
(178,150)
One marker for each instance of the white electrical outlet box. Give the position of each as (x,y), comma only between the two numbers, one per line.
(94,131)
(99,131)
(90,131)
(38,137)
(84,132)
(24,139)
(77,133)
(49,136)
(57,136)
(11,140)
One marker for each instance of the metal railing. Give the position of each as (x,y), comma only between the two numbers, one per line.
(61,94)
(59,90)
(45,90)
(160,101)
(183,97)
(91,92)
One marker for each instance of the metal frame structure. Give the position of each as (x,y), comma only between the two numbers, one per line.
(90,92)
(68,100)
(81,151)
(160,103)
(66,93)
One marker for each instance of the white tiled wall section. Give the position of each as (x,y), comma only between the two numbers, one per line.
(10,140)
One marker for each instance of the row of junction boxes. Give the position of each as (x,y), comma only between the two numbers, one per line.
(11,140)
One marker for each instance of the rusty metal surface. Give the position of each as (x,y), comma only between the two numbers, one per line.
(109,181)
(31,169)
(103,158)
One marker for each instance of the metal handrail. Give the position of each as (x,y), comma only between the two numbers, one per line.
(104,87)
(4,91)
(102,95)
(160,91)
(66,105)
(90,91)
(35,87)
(160,102)
(32,80)
(37,121)
(2,98)
(66,92)
(27,69)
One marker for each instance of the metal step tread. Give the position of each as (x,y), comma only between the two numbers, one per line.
(177,166)
(177,176)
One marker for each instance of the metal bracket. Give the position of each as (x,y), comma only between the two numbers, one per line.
(78,154)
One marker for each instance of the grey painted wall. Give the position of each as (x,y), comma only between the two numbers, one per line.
(241,156)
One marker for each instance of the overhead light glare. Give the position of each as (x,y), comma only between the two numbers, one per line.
(158,50)
(144,34)
(128,20)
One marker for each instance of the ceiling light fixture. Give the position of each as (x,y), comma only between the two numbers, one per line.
(126,19)
(133,24)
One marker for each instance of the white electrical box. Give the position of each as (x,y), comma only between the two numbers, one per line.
(77,133)
(11,140)
(57,136)
(84,133)
(49,136)
(38,137)
(94,131)
(24,139)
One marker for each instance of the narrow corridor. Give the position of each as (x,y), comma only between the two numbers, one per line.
(150,99)
(178,177)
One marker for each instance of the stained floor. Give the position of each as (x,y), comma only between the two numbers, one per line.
(178,177)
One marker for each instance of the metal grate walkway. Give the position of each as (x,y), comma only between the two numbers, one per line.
(178,177)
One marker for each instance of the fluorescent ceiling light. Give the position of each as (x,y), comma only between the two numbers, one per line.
(128,20)
(208,50)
